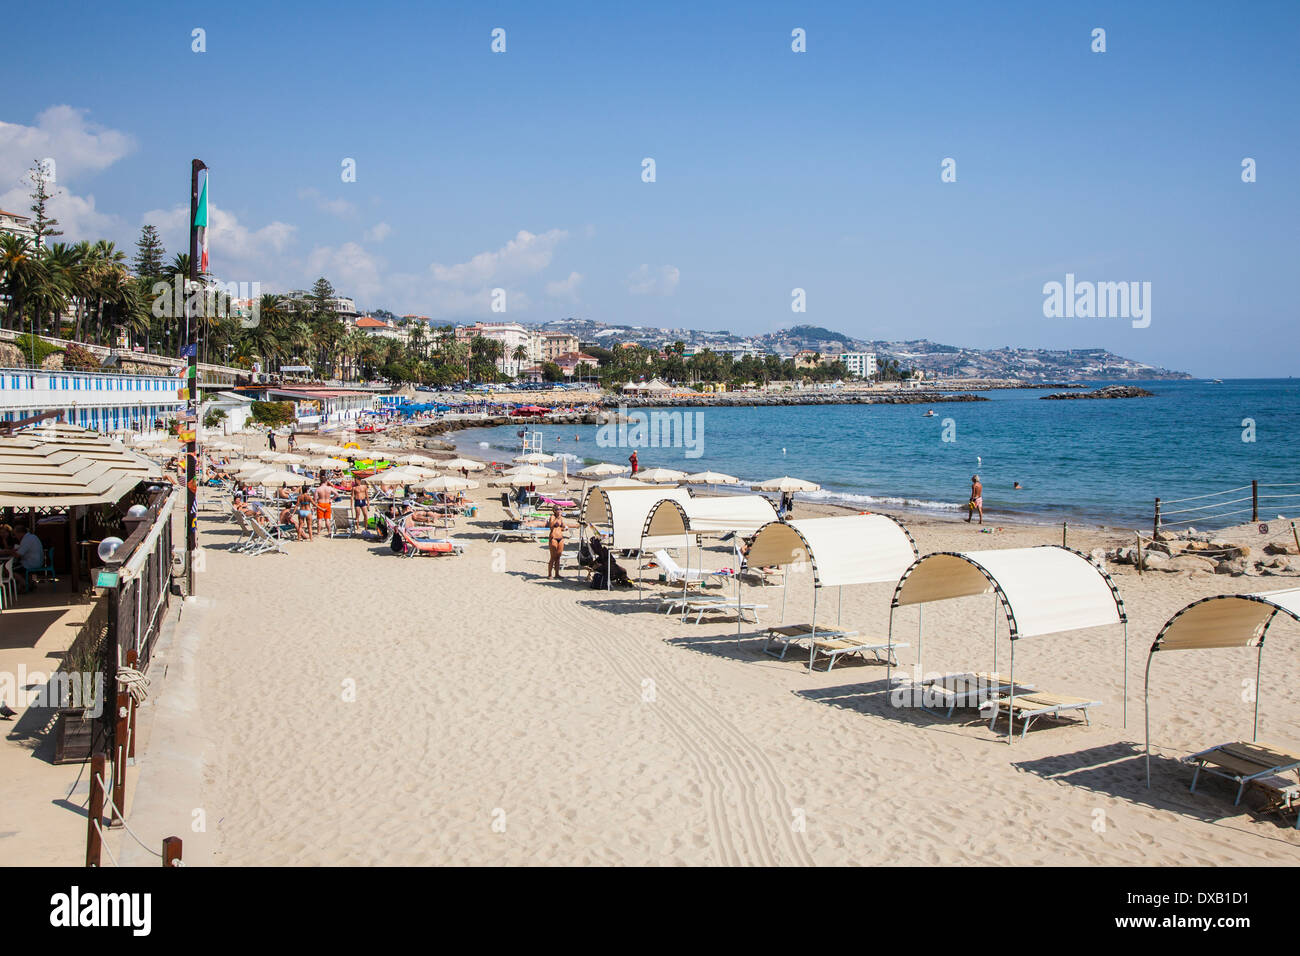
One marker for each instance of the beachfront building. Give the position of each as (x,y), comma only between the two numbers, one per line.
(299,300)
(381,328)
(548,346)
(17,225)
(860,364)
(511,335)
(568,363)
(101,401)
(313,405)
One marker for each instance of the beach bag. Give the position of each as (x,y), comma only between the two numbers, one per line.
(397,544)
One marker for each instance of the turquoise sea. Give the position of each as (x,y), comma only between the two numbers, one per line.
(1099,462)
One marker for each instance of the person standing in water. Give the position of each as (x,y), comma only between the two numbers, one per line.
(976,499)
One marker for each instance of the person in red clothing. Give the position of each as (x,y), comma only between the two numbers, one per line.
(632,459)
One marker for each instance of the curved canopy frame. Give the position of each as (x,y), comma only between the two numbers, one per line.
(1223,620)
(1048,589)
(840,549)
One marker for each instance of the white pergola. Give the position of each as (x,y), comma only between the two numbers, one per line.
(1221,621)
(1041,590)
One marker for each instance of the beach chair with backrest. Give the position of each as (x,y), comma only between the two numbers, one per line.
(1247,763)
(1031,706)
(46,567)
(244,523)
(788,634)
(676,574)
(265,540)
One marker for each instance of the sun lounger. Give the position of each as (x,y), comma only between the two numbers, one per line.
(264,540)
(674,573)
(1243,763)
(700,607)
(965,690)
(521,533)
(244,523)
(675,599)
(788,634)
(833,648)
(1029,707)
(418,543)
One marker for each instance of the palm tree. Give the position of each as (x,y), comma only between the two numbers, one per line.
(23,273)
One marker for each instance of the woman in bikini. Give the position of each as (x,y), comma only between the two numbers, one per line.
(555,542)
(304,514)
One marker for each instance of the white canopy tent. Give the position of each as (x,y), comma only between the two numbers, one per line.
(1224,620)
(1041,590)
(670,518)
(842,549)
(623,512)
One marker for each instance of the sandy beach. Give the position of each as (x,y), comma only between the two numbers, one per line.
(356,707)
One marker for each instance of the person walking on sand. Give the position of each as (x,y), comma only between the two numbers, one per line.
(270,440)
(976,499)
(632,461)
(555,542)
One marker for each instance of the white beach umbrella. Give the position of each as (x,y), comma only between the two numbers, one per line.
(340,451)
(711,478)
(786,484)
(533,458)
(415,460)
(275,479)
(621,482)
(290,458)
(456,464)
(330,463)
(252,475)
(601,470)
(661,476)
(522,481)
(447,483)
(270,455)
(533,471)
(406,475)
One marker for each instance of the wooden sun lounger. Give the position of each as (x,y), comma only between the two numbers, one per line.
(1243,763)
(789,634)
(1029,707)
(966,689)
(833,648)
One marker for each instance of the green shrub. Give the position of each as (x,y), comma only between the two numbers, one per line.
(274,414)
(35,350)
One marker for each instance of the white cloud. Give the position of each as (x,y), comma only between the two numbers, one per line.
(661,281)
(62,134)
(77,215)
(565,288)
(378,232)
(335,207)
(350,269)
(235,251)
(524,255)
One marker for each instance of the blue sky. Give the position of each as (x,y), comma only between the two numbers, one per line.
(775,169)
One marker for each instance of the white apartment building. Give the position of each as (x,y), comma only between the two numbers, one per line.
(103,401)
(861,364)
(511,335)
(17,225)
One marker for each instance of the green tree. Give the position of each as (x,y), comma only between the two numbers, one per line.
(42,222)
(149,255)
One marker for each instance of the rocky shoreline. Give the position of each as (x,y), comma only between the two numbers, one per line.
(1109,391)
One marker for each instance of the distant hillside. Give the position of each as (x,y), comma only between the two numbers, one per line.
(935,359)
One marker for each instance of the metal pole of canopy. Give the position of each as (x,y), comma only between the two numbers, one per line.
(1146,706)
(1259,662)
(1126,673)
(1011,701)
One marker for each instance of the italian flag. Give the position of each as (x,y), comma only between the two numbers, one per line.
(201,224)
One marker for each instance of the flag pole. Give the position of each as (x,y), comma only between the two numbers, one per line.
(192,386)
